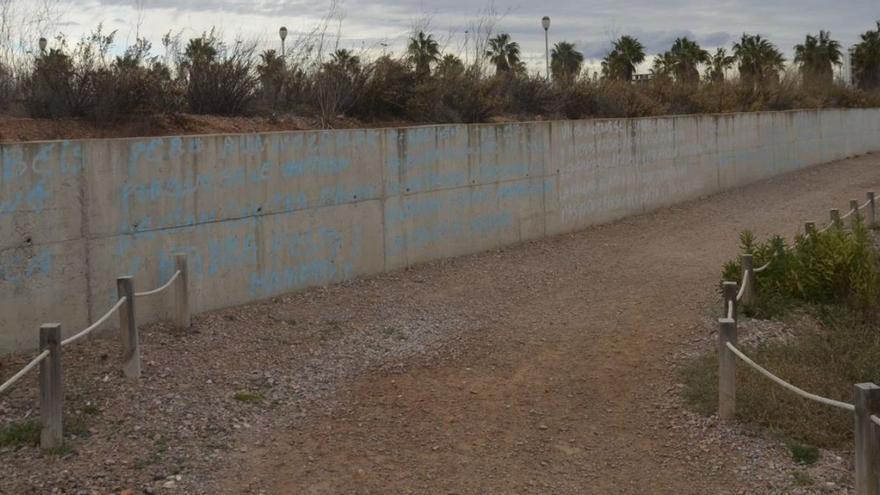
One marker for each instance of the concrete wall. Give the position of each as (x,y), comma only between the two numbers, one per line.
(269,213)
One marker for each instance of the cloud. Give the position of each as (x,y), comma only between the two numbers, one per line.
(590,25)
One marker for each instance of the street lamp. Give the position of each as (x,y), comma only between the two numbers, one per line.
(545,22)
(43,42)
(283,34)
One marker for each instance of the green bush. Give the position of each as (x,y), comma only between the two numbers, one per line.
(838,266)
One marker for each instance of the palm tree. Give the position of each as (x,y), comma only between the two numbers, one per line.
(423,50)
(817,57)
(759,60)
(719,63)
(202,49)
(866,60)
(345,61)
(449,67)
(663,66)
(621,61)
(504,53)
(565,62)
(686,55)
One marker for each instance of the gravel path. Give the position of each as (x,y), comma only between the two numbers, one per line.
(548,367)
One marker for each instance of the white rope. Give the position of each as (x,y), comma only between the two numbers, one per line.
(784,384)
(762,268)
(865,205)
(742,290)
(875,419)
(159,289)
(825,228)
(35,361)
(94,325)
(730,309)
(848,214)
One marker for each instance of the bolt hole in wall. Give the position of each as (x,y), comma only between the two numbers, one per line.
(270,213)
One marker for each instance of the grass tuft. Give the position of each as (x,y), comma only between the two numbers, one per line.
(248,397)
(26,433)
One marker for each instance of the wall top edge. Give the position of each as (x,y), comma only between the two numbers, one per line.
(4,143)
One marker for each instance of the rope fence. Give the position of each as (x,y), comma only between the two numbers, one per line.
(94,325)
(51,388)
(160,288)
(866,403)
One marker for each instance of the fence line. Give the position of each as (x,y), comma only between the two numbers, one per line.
(160,288)
(797,390)
(94,325)
(51,389)
(866,404)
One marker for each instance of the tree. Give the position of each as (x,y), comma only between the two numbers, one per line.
(345,61)
(719,63)
(504,53)
(759,60)
(686,55)
(866,60)
(565,62)
(450,67)
(663,66)
(423,50)
(620,63)
(816,58)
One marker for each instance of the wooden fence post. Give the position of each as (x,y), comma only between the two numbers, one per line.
(867,402)
(730,291)
(51,388)
(872,211)
(131,350)
(835,216)
(726,369)
(181,293)
(748,270)
(854,207)
(809,228)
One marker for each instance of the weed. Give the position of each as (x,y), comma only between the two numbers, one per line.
(20,434)
(248,397)
(803,454)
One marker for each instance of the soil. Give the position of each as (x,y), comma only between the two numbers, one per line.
(18,129)
(548,367)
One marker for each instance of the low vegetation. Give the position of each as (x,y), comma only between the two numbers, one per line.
(825,288)
(317,78)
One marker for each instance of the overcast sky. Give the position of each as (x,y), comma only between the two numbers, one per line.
(590,24)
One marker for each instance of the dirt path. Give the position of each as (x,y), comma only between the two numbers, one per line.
(543,368)
(563,378)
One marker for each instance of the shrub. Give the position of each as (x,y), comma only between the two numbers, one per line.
(837,266)
(218,82)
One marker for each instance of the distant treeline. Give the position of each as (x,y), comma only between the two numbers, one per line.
(204,75)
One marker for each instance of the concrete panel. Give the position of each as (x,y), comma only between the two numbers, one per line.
(40,193)
(41,284)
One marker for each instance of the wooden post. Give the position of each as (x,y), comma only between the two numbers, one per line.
(809,228)
(131,350)
(867,402)
(854,207)
(835,216)
(51,388)
(748,269)
(730,290)
(872,211)
(181,293)
(726,369)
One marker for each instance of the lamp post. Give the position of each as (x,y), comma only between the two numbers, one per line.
(283,34)
(43,42)
(545,22)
